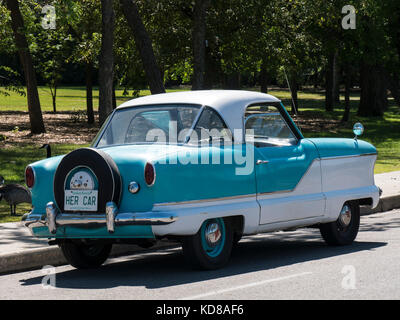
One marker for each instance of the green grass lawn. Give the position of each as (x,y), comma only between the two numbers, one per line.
(12,167)
(383,133)
(68,99)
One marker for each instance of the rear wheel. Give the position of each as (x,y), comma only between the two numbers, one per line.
(210,248)
(85,256)
(344,230)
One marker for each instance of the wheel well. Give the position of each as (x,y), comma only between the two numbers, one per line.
(365,202)
(361,202)
(237,224)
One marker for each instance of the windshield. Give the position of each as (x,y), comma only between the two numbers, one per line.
(163,124)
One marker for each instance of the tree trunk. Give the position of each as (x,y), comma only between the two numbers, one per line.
(346,114)
(213,73)
(89,92)
(373,100)
(232,81)
(114,98)
(329,84)
(144,45)
(294,90)
(106,71)
(199,38)
(54,97)
(394,87)
(263,77)
(336,79)
(17,24)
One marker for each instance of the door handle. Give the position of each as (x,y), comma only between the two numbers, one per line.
(262,162)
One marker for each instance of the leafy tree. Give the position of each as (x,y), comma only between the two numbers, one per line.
(376,53)
(82,19)
(51,54)
(9,82)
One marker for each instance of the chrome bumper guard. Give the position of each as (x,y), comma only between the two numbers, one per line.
(54,219)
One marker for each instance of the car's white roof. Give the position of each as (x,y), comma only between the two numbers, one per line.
(230,104)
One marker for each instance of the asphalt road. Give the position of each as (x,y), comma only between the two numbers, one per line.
(283,265)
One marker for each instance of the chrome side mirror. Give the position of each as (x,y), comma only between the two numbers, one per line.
(358,130)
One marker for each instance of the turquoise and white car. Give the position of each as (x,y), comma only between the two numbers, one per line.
(203,168)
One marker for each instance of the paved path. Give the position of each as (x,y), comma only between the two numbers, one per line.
(389,183)
(282,265)
(15,237)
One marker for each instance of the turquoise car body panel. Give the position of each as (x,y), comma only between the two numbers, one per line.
(97,233)
(286,166)
(185,182)
(339,147)
(42,191)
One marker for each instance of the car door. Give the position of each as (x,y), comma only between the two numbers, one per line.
(288,172)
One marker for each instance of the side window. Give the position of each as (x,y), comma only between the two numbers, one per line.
(210,127)
(265,126)
(187,116)
(142,123)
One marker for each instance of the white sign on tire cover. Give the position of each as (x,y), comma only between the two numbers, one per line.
(80,200)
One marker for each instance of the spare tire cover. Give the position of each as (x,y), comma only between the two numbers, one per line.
(101,165)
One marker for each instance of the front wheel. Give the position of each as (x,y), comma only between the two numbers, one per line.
(85,256)
(344,230)
(210,248)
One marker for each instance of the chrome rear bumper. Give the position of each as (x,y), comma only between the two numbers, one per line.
(54,219)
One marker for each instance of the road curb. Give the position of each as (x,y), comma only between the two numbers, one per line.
(30,259)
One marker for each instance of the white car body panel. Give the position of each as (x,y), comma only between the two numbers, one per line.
(348,178)
(318,198)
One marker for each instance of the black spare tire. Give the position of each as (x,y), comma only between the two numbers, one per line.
(101,165)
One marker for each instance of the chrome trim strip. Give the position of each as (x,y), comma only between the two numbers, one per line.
(307,218)
(275,192)
(204,200)
(350,156)
(51,217)
(111,213)
(100,220)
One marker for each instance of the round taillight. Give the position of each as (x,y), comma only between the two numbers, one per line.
(149,174)
(29,177)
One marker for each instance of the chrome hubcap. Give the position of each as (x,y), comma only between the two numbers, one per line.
(345,216)
(213,234)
